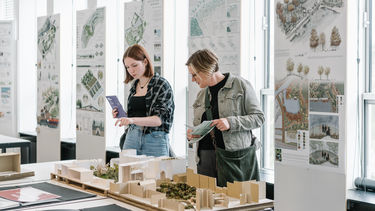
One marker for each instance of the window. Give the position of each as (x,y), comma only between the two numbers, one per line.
(267,93)
(369,100)
(6,9)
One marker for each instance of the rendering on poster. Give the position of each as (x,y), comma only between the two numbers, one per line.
(144,26)
(6,71)
(291,107)
(324,127)
(90,94)
(48,71)
(215,25)
(323,95)
(313,25)
(324,153)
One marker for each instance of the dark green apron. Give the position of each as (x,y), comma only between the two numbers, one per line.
(239,165)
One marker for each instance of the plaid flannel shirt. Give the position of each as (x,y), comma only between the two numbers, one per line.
(159,102)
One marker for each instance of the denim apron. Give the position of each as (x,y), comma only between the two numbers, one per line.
(240,165)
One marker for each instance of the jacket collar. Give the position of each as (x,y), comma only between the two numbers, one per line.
(229,82)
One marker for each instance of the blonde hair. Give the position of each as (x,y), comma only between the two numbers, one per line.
(203,61)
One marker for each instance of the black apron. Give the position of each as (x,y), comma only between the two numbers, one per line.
(240,165)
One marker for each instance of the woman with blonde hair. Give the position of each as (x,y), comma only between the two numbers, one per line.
(229,101)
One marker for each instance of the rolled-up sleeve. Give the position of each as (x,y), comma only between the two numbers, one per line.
(164,106)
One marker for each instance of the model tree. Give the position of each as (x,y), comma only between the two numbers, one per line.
(299,68)
(327,71)
(335,37)
(320,71)
(306,70)
(314,39)
(290,7)
(296,2)
(322,40)
(289,65)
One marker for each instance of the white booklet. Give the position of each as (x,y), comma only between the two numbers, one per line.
(201,130)
(6,204)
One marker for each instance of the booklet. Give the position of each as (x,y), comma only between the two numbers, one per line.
(6,204)
(115,103)
(27,195)
(202,130)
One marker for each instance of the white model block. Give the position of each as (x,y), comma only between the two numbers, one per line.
(172,167)
(126,152)
(57,168)
(81,174)
(103,183)
(148,184)
(65,168)
(153,170)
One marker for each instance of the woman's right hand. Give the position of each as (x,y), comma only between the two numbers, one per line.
(190,136)
(114,112)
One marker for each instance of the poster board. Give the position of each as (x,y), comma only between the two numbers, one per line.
(310,74)
(48,88)
(90,87)
(8,125)
(214,25)
(143,24)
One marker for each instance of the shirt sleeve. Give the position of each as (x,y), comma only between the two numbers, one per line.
(164,105)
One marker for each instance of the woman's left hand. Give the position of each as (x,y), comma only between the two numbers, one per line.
(222,124)
(124,121)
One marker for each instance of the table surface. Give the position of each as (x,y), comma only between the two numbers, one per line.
(8,140)
(361,196)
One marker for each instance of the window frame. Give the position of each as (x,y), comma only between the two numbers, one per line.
(368,96)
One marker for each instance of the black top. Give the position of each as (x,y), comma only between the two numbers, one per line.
(138,106)
(159,102)
(206,143)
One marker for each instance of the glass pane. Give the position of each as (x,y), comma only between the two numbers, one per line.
(372,72)
(268,146)
(371,141)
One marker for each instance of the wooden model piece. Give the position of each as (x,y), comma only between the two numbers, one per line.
(171,204)
(10,162)
(204,199)
(179,178)
(10,167)
(81,174)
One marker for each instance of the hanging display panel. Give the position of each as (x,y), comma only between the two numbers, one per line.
(143,25)
(90,99)
(48,71)
(310,69)
(7,75)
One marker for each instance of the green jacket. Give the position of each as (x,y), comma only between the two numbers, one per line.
(238,103)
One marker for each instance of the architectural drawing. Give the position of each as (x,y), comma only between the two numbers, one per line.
(46,36)
(143,23)
(48,71)
(88,29)
(297,18)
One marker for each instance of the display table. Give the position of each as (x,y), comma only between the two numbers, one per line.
(11,142)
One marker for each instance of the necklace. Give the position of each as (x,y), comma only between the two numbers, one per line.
(144,84)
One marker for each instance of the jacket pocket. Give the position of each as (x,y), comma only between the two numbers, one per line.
(233,104)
